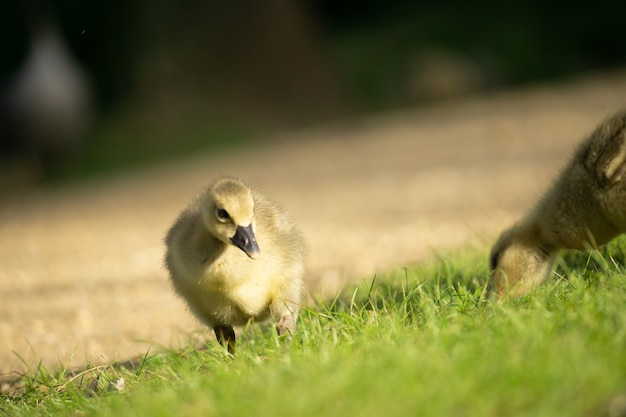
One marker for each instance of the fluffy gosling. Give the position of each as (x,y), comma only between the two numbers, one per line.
(585,207)
(236,257)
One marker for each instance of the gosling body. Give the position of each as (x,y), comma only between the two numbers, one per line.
(236,257)
(584,208)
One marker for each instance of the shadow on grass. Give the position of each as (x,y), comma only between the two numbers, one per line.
(593,265)
(92,380)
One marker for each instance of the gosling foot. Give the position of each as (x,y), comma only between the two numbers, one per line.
(285,326)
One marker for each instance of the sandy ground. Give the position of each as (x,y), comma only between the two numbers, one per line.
(81,276)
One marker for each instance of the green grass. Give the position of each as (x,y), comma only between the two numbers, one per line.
(421,341)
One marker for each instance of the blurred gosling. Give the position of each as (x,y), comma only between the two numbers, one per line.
(236,257)
(584,208)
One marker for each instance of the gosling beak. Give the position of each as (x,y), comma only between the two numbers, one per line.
(244,240)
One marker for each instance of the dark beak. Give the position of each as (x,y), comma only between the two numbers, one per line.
(244,240)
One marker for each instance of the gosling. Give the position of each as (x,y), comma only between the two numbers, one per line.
(585,208)
(236,257)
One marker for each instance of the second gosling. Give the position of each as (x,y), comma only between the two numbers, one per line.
(585,207)
(236,257)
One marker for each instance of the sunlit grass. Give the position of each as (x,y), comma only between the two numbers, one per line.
(420,341)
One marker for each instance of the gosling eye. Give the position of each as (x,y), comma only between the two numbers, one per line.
(222,215)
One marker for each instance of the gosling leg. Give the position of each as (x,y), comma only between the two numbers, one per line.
(226,336)
(286,326)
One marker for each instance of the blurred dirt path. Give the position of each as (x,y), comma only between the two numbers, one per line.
(81,277)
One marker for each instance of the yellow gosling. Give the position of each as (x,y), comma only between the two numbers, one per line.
(235,257)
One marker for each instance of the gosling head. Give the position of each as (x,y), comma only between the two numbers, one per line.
(227,210)
(519,262)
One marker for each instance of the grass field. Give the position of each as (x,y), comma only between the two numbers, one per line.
(421,341)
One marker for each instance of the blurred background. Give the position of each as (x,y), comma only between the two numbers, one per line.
(87,88)
(392,131)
